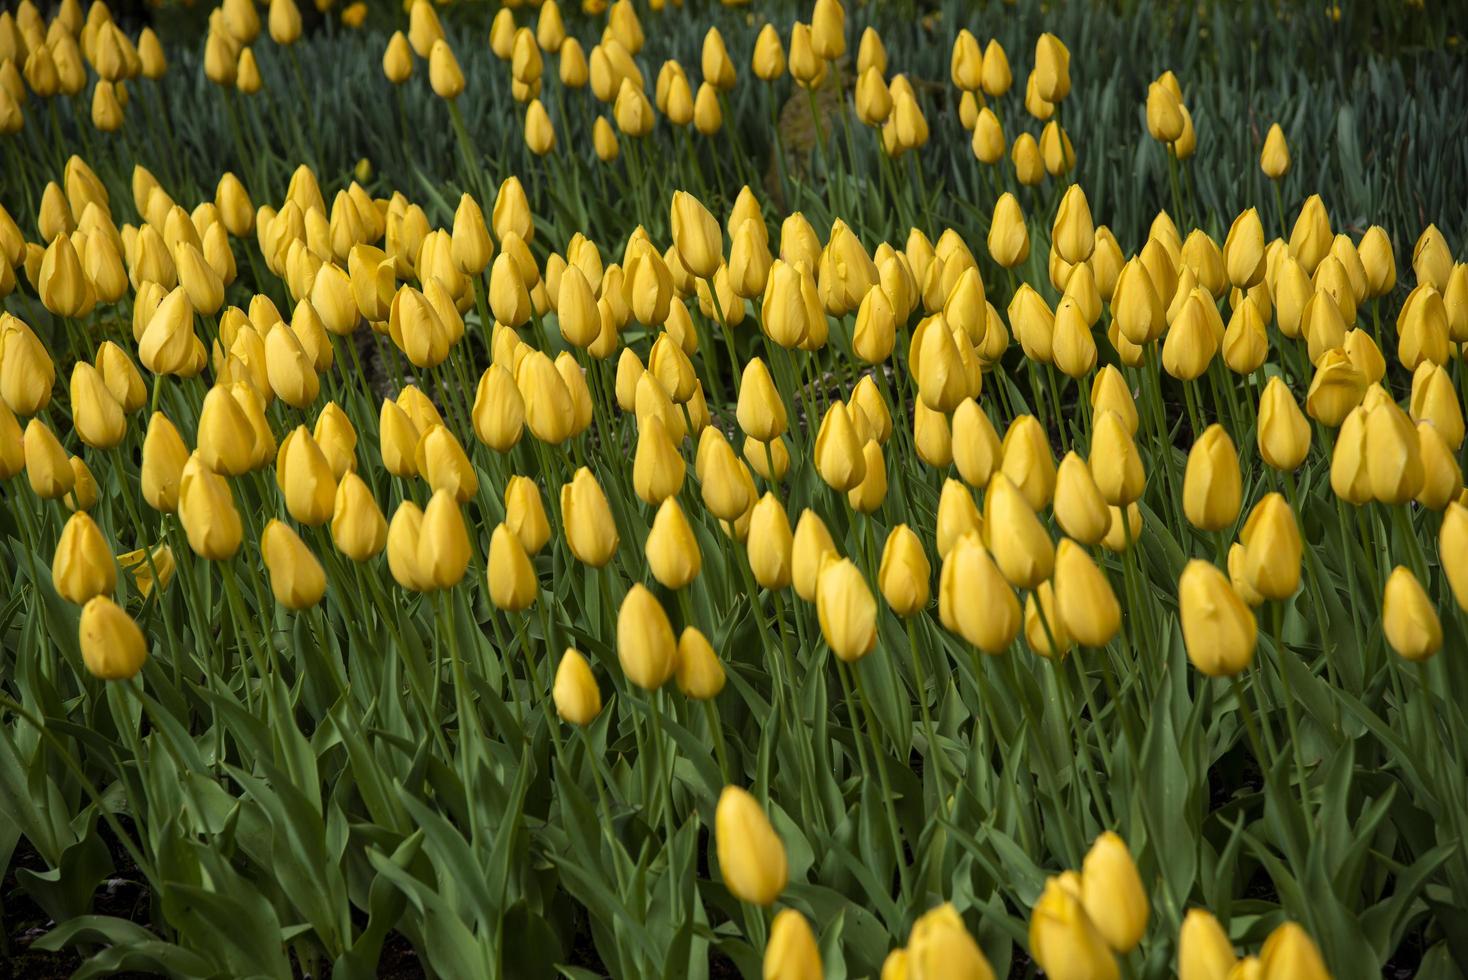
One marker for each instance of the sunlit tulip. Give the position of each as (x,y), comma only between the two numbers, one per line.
(751,855)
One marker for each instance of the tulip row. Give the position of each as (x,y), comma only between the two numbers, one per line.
(395,645)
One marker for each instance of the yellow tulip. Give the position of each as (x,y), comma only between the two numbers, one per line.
(575,692)
(751,855)
(1219,631)
(113,647)
(296,576)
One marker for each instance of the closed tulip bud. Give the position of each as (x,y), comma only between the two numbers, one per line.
(1064,941)
(1212,484)
(113,647)
(1164,113)
(974,600)
(1246,341)
(1073,234)
(873,98)
(499,410)
(977,450)
(931,436)
(397,59)
(549,409)
(699,674)
(1289,952)
(1109,392)
(292,374)
(575,693)
(1044,631)
(1274,159)
(444,464)
(1115,462)
(306,479)
(63,286)
(696,235)
(1135,305)
(768,59)
(1442,478)
(957,517)
(82,566)
(905,572)
(671,549)
(444,74)
(1452,551)
(1311,237)
(1112,893)
(512,582)
(296,576)
(1283,430)
(1052,68)
(591,532)
(358,527)
(1028,462)
(1335,390)
(1422,328)
(875,332)
(164,456)
(1219,631)
(1393,455)
(26,370)
(1243,250)
(646,648)
(443,548)
(1079,508)
(1085,603)
(1203,948)
(811,546)
(1349,477)
(939,946)
(771,543)
(867,496)
(95,414)
(1432,260)
(657,469)
(751,855)
(12,444)
(226,439)
(168,341)
(1009,237)
(207,512)
(1378,261)
(839,457)
(1434,400)
(1272,549)
(403,536)
(525,514)
(1021,547)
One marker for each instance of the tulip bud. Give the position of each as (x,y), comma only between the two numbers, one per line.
(47,468)
(82,566)
(811,545)
(696,235)
(1112,893)
(96,416)
(358,527)
(591,531)
(443,548)
(206,509)
(1274,160)
(905,572)
(645,645)
(1212,483)
(12,444)
(1452,551)
(443,463)
(1085,602)
(1393,454)
(306,479)
(444,74)
(403,536)
(1027,460)
(1203,948)
(512,583)
(1408,619)
(671,549)
(576,696)
(1219,631)
(1272,549)
(1378,261)
(839,457)
(751,855)
(700,676)
(1063,939)
(296,576)
(1079,508)
(113,647)
(1115,462)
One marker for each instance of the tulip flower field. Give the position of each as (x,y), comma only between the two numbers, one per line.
(780,490)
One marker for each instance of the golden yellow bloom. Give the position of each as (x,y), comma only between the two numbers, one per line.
(82,566)
(591,531)
(575,692)
(512,583)
(699,675)
(752,858)
(646,648)
(1064,941)
(296,576)
(113,647)
(940,947)
(1203,948)
(672,551)
(974,600)
(1219,631)
(1112,893)
(358,527)
(1409,620)
(207,511)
